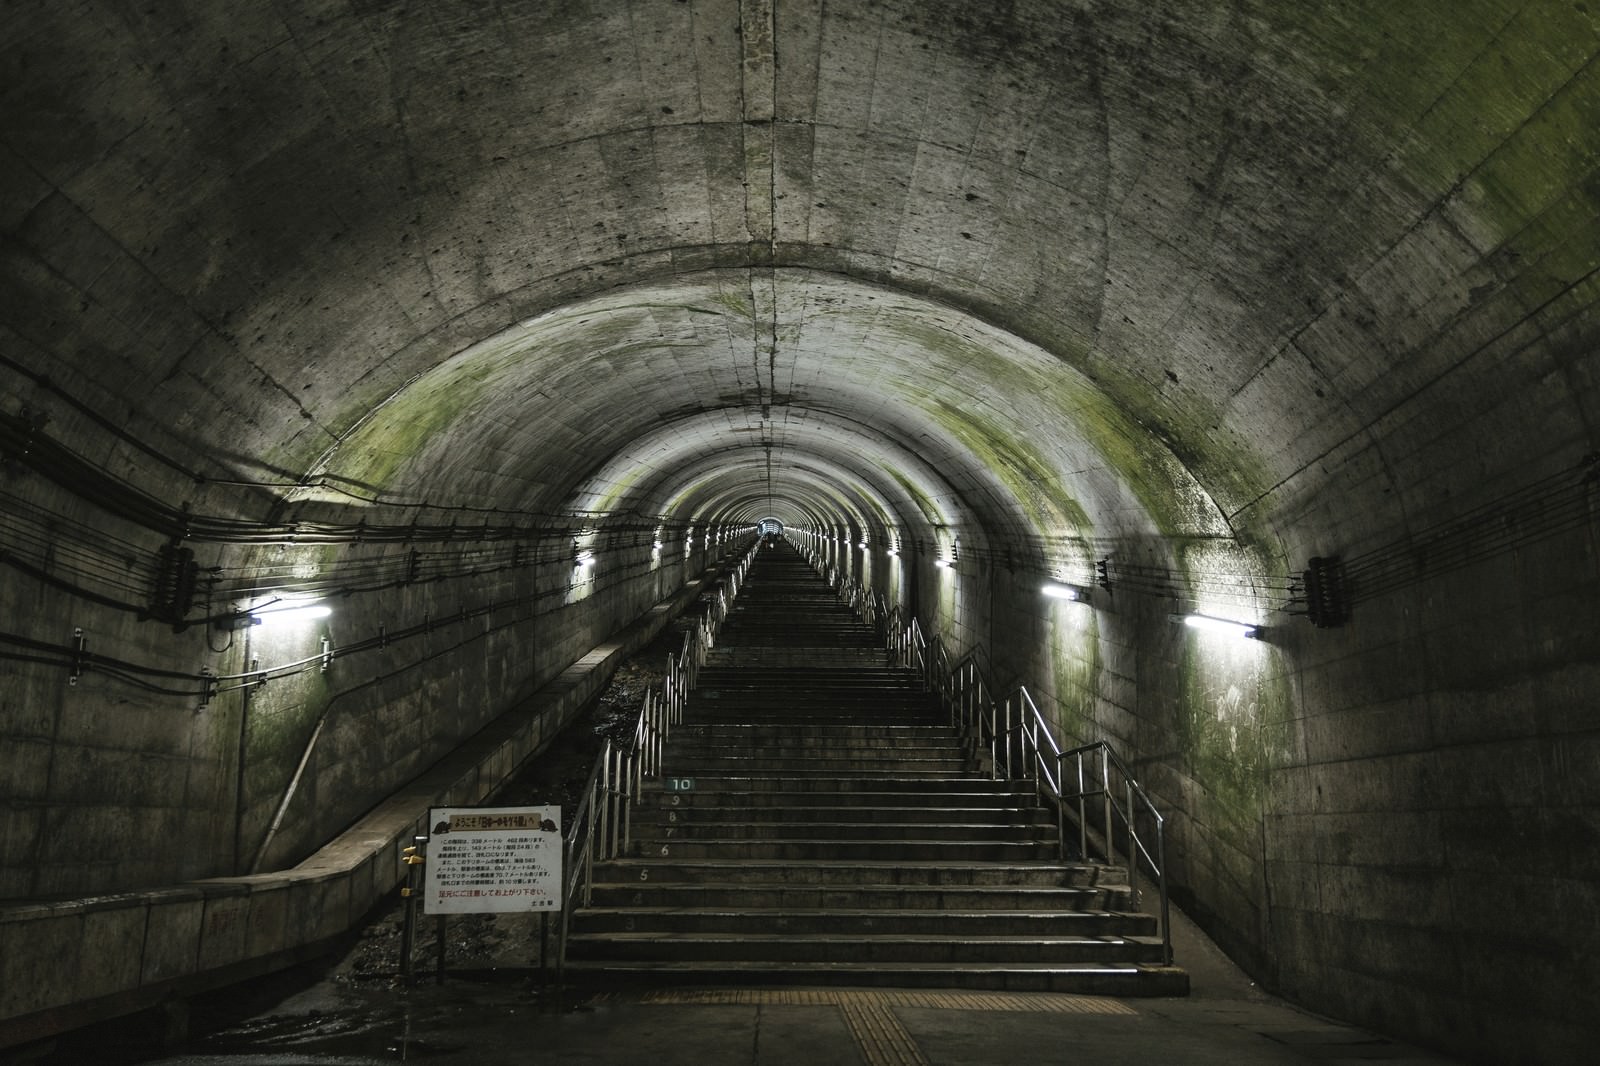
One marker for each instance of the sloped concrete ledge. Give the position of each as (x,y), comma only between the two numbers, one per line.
(69,963)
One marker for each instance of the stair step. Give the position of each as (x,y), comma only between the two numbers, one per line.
(742,947)
(812,748)
(681,765)
(792,812)
(919,832)
(899,849)
(797,781)
(849,786)
(739,732)
(851,922)
(1098,979)
(714,792)
(806,681)
(681,868)
(812,717)
(784,895)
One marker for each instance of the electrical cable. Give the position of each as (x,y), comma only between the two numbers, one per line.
(208,685)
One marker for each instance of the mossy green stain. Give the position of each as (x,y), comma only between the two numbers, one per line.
(1075,670)
(404,427)
(737,306)
(280,717)
(1164,486)
(930,511)
(618,488)
(1021,470)
(1499,99)
(1158,478)
(1232,728)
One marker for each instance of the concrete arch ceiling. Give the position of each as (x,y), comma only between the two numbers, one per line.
(899,398)
(1115,267)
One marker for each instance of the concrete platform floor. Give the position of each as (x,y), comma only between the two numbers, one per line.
(487,1023)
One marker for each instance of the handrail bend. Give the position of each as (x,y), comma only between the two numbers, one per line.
(1019,743)
(602,827)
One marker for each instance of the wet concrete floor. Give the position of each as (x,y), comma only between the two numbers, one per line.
(488,1020)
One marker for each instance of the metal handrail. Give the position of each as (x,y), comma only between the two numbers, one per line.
(1020,743)
(1134,847)
(602,827)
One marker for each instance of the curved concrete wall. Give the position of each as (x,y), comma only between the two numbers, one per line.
(1200,289)
(73,961)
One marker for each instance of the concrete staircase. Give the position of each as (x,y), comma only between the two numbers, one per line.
(818,824)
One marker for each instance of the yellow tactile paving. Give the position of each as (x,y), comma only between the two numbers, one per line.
(1054,1004)
(870,1015)
(881,1037)
(761,997)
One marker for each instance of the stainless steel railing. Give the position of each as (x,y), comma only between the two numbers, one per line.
(1096,790)
(602,827)
(1134,803)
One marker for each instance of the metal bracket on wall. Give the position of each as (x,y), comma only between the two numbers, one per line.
(1326,591)
(80,655)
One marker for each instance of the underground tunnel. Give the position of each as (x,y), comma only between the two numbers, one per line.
(486,331)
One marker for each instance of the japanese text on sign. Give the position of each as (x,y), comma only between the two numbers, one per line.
(493,860)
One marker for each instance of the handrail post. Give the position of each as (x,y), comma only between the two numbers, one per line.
(1061,817)
(588,849)
(1009,775)
(994,741)
(619,796)
(1133,854)
(1033,741)
(613,810)
(628,800)
(648,731)
(1083,815)
(1161,880)
(1105,799)
(602,811)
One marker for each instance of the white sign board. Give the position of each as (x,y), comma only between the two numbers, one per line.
(491,860)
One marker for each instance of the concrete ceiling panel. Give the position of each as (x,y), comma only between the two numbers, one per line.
(1193,252)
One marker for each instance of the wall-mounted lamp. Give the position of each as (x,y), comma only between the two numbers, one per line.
(583,558)
(893,551)
(1057,591)
(942,564)
(284,616)
(656,545)
(862,545)
(1223,626)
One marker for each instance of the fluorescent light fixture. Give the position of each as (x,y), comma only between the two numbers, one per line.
(1058,591)
(1224,626)
(283,616)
